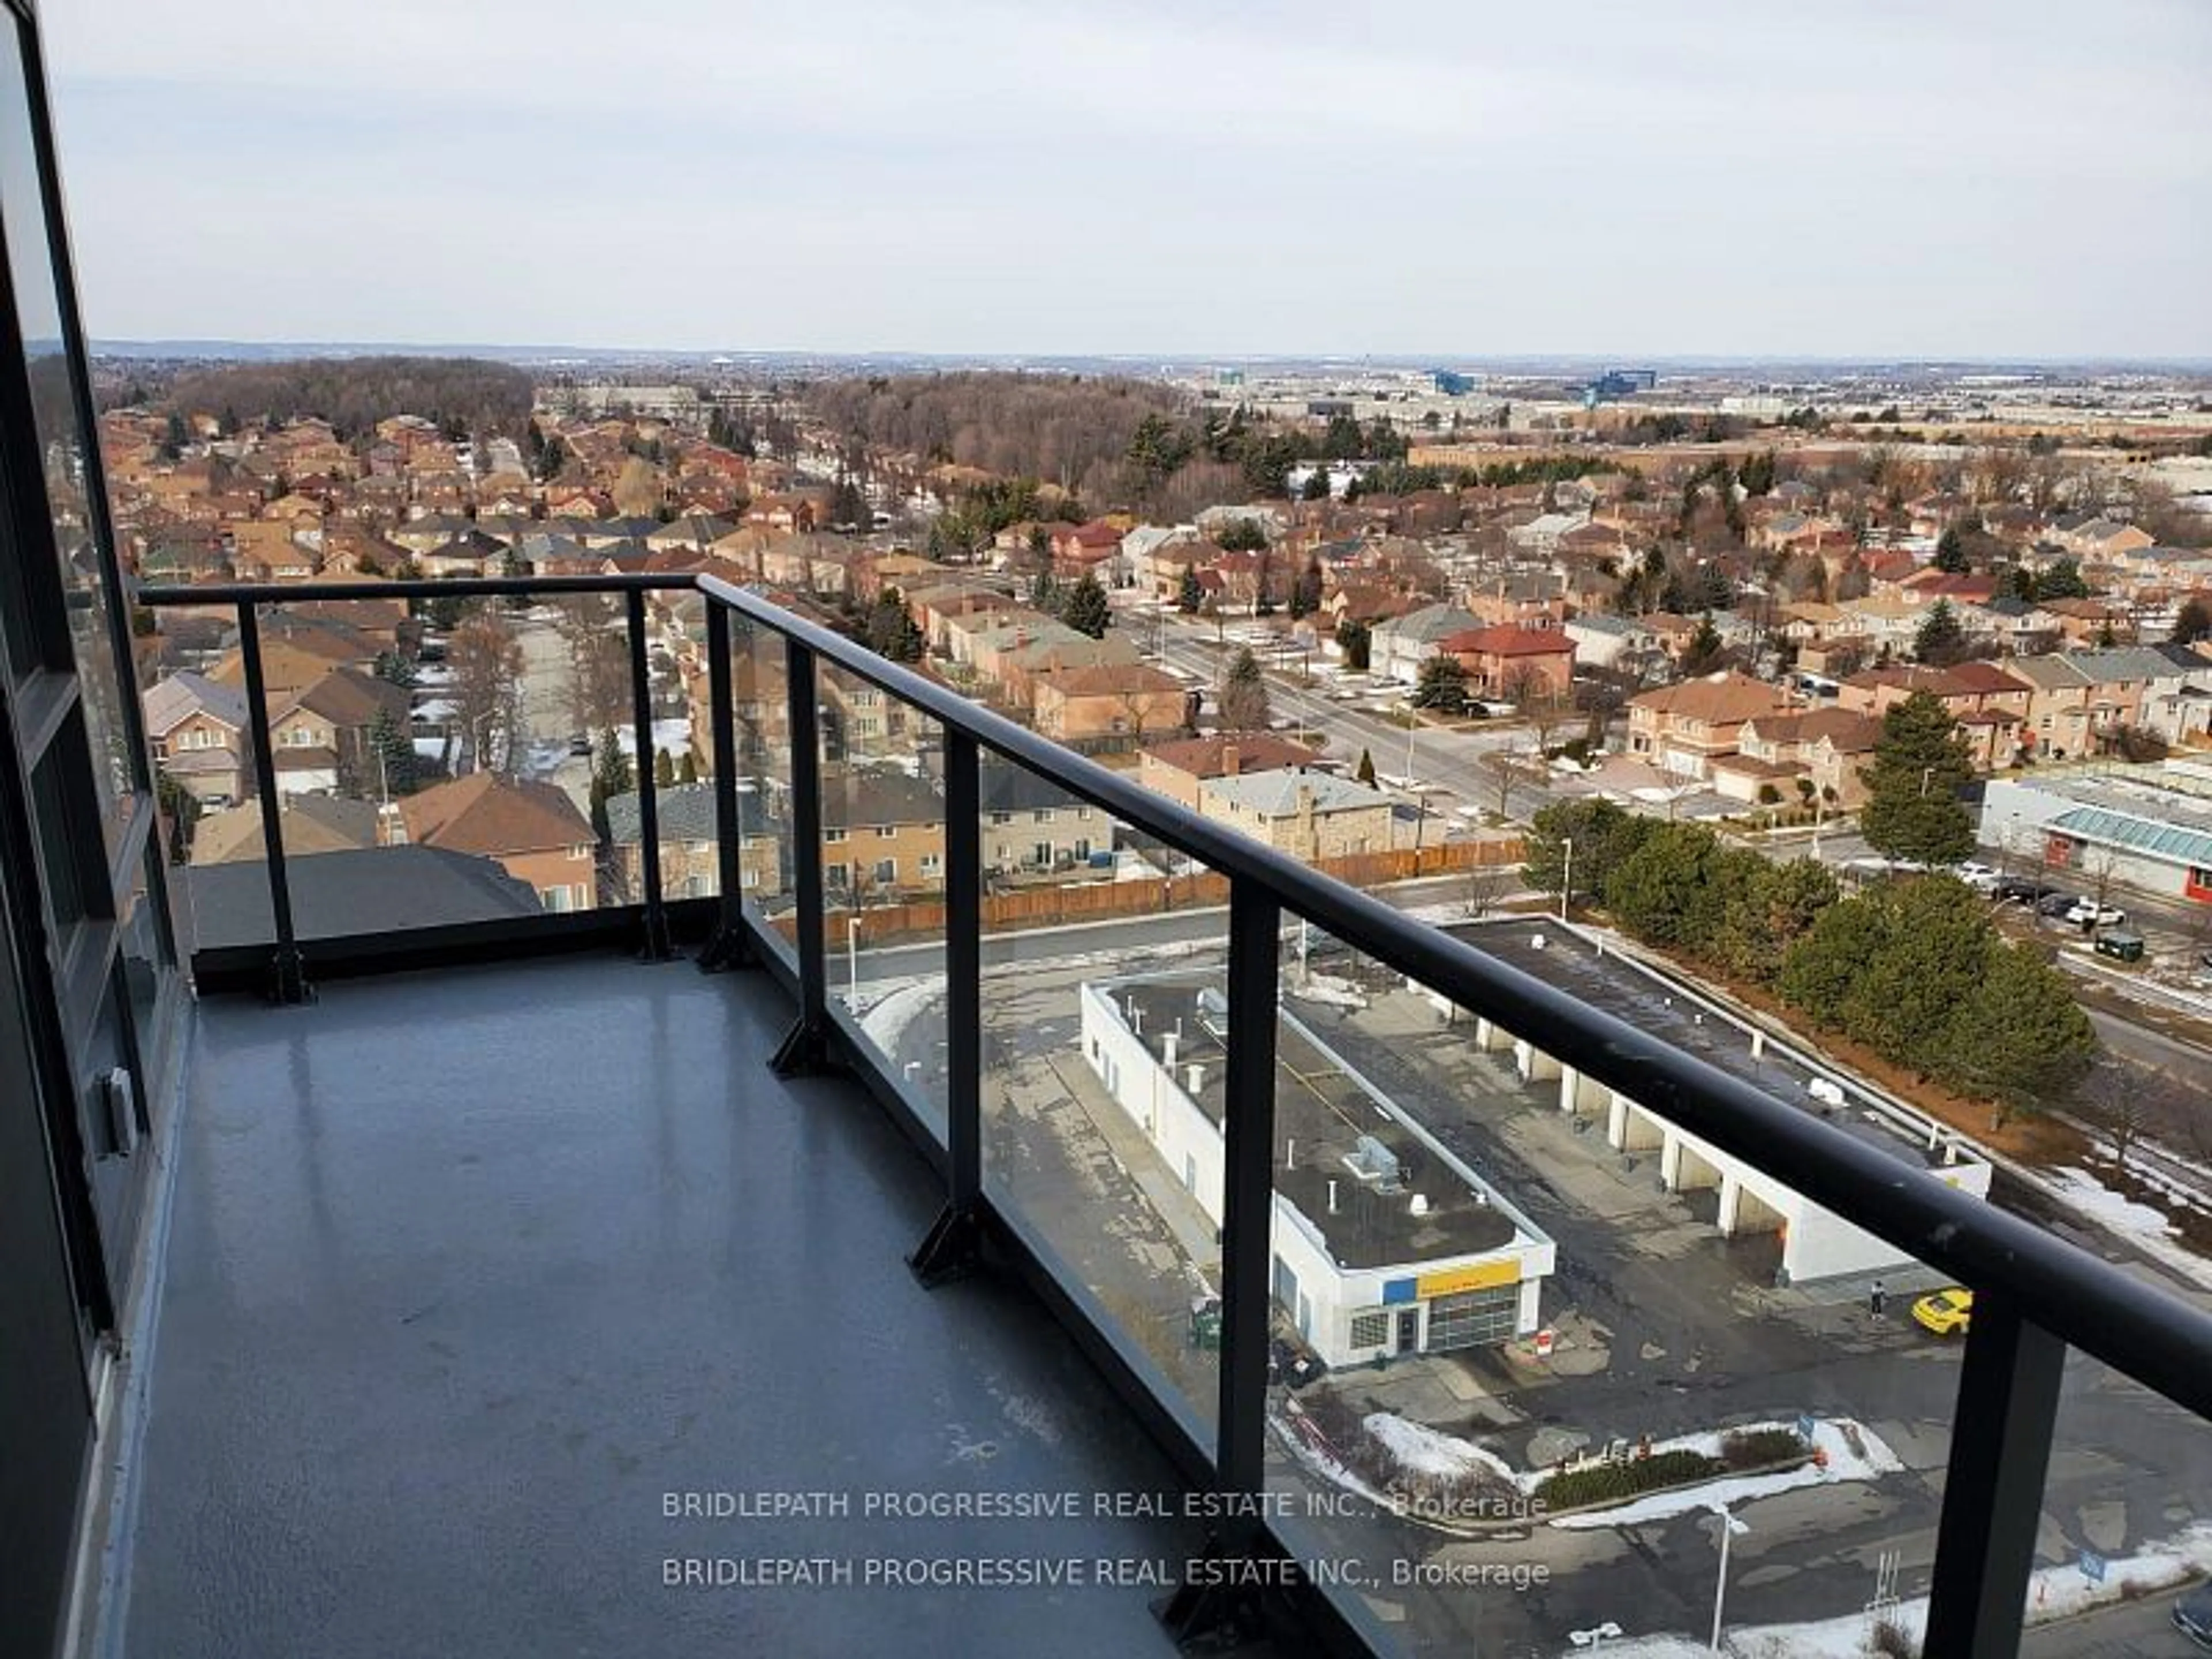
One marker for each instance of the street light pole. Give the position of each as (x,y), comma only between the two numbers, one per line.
(1566,873)
(853,960)
(1729,1527)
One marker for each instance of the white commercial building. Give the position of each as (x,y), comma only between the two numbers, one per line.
(1814,1242)
(1384,1242)
(2150,829)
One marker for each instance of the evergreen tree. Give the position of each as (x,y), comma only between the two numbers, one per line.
(1244,695)
(393,752)
(891,630)
(1604,836)
(611,776)
(1940,637)
(1951,552)
(2063,580)
(1242,536)
(395,670)
(1704,651)
(1441,685)
(2193,622)
(1357,641)
(1189,594)
(686,770)
(1085,609)
(664,769)
(1366,771)
(1668,890)
(1317,484)
(1305,592)
(1044,593)
(1921,762)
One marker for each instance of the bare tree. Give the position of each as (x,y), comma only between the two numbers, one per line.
(1487,884)
(1505,766)
(598,663)
(2126,1102)
(487,665)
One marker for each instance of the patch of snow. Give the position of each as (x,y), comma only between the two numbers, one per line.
(2061,1591)
(1329,990)
(2123,1215)
(429,748)
(887,1021)
(1424,1450)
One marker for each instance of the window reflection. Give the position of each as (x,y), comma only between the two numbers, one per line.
(64,445)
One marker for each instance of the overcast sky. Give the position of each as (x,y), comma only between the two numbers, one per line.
(1613,177)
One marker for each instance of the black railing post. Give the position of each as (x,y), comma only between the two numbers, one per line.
(952,1246)
(654,946)
(1210,1605)
(2001,1434)
(730,945)
(806,1049)
(288,981)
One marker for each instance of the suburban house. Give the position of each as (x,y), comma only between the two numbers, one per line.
(882,832)
(1307,815)
(199,732)
(532,830)
(1109,705)
(321,737)
(690,860)
(1514,663)
(1823,748)
(1032,826)
(1177,769)
(1603,640)
(309,823)
(1400,646)
(1682,729)
(1990,703)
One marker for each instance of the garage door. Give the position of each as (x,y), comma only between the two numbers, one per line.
(1473,1317)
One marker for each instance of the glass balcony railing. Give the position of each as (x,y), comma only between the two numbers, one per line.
(1492,1293)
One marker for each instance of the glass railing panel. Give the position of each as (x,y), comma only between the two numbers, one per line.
(761,724)
(883,869)
(1104,1049)
(1531,1333)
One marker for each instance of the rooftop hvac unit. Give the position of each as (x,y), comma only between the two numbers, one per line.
(1373,1161)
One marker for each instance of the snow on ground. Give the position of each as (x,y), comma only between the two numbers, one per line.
(2123,1215)
(1872,1460)
(1423,1450)
(1328,990)
(673,734)
(2054,1593)
(886,1022)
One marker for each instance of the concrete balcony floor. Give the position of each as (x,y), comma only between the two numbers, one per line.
(468,1270)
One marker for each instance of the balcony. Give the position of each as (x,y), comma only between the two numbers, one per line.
(470,1271)
(473,1264)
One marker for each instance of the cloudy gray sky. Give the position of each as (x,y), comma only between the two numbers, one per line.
(1819,177)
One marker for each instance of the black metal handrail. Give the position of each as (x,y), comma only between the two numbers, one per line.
(2036,1294)
(288,977)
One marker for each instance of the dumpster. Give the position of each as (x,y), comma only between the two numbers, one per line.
(2126,947)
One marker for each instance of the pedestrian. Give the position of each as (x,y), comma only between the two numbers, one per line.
(1877,1299)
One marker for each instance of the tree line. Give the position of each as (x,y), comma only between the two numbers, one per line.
(1912,968)
(464,395)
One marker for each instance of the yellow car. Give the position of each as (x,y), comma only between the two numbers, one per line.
(1946,1313)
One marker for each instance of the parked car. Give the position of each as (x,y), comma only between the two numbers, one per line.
(1980,877)
(2056,903)
(2021,890)
(2192,1615)
(2086,912)
(1946,1312)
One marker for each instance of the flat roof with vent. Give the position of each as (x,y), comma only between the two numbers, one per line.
(1399,1197)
